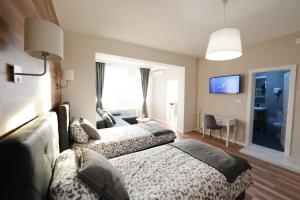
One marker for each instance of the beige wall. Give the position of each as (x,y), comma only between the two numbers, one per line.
(80,55)
(276,52)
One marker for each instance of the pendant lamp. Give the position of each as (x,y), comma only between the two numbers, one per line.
(224,44)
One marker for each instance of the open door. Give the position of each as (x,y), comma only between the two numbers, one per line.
(285,106)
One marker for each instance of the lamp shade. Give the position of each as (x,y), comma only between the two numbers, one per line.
(43,36)
(67,75)
(224,44)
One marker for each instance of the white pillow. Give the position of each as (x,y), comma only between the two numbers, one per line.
(65,183)
(78,133)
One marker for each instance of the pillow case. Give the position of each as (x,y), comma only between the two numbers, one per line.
(98,173)
(107,120)
(100,123)
(111,117)
(78,133)
(65,183)
(99,111)
(90,130)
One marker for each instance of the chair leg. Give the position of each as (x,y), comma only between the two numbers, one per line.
(213,136)
(221,134)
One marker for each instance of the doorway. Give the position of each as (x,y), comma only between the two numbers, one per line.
(167,97)
(270,108)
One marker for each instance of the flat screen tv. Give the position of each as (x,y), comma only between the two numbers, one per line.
(224,84)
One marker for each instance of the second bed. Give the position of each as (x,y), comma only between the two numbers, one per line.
(115,141)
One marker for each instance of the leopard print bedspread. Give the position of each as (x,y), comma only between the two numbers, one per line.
(123,140)
(166,172)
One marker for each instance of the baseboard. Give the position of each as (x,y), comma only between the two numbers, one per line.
(240,143)
(217,136)
(160,121)
(189,130)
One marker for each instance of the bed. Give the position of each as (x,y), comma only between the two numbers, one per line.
(29,156)
(166,172)
(117,141)
(123,140)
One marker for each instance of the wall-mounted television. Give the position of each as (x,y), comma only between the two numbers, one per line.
(224,84)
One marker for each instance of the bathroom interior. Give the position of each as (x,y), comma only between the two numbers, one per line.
(270,109)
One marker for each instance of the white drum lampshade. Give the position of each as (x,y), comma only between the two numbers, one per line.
(42,36)
(67,75)
(224,44)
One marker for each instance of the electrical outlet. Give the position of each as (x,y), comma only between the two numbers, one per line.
(297,40)
(17,78)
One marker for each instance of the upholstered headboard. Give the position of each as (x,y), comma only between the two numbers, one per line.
(63,126)
(28,158)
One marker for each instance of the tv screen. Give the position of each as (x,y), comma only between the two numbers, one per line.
(224,85)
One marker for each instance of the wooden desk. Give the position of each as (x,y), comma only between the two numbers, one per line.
(226,122)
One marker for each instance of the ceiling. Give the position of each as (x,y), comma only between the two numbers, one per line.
(120,60)
(180,26)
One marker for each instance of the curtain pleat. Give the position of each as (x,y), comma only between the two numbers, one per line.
(100,69)
(145,72)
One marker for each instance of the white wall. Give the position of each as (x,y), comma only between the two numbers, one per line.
(158,98)
(79,55)
(159,92)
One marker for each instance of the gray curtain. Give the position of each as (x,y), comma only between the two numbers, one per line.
(100,69)
(145,80)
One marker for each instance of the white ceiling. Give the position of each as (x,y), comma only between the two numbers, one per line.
(181,26)
(120,60)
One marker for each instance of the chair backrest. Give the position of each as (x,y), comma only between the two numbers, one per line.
(209,121)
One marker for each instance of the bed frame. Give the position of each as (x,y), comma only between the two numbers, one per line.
(63,114)
(28,158)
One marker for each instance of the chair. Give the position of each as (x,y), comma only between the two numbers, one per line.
(211,124)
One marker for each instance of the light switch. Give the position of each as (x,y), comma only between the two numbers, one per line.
(17,78)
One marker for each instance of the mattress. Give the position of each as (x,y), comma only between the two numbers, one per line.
(123,140)
(166,172)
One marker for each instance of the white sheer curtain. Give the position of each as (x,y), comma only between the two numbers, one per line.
(122,88)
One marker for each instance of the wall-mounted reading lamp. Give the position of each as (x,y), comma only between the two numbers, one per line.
(66,75)
(42,40)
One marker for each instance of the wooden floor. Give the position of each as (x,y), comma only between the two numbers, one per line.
(270,181)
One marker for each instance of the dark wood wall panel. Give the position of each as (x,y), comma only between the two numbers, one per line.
(21,102)
(13,12)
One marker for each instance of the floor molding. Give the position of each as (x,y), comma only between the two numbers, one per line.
(275,157)
(217,136)
(160,121)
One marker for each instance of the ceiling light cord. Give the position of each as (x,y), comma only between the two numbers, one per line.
(224,12)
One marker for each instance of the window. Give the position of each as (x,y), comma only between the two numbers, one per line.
(122,88)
